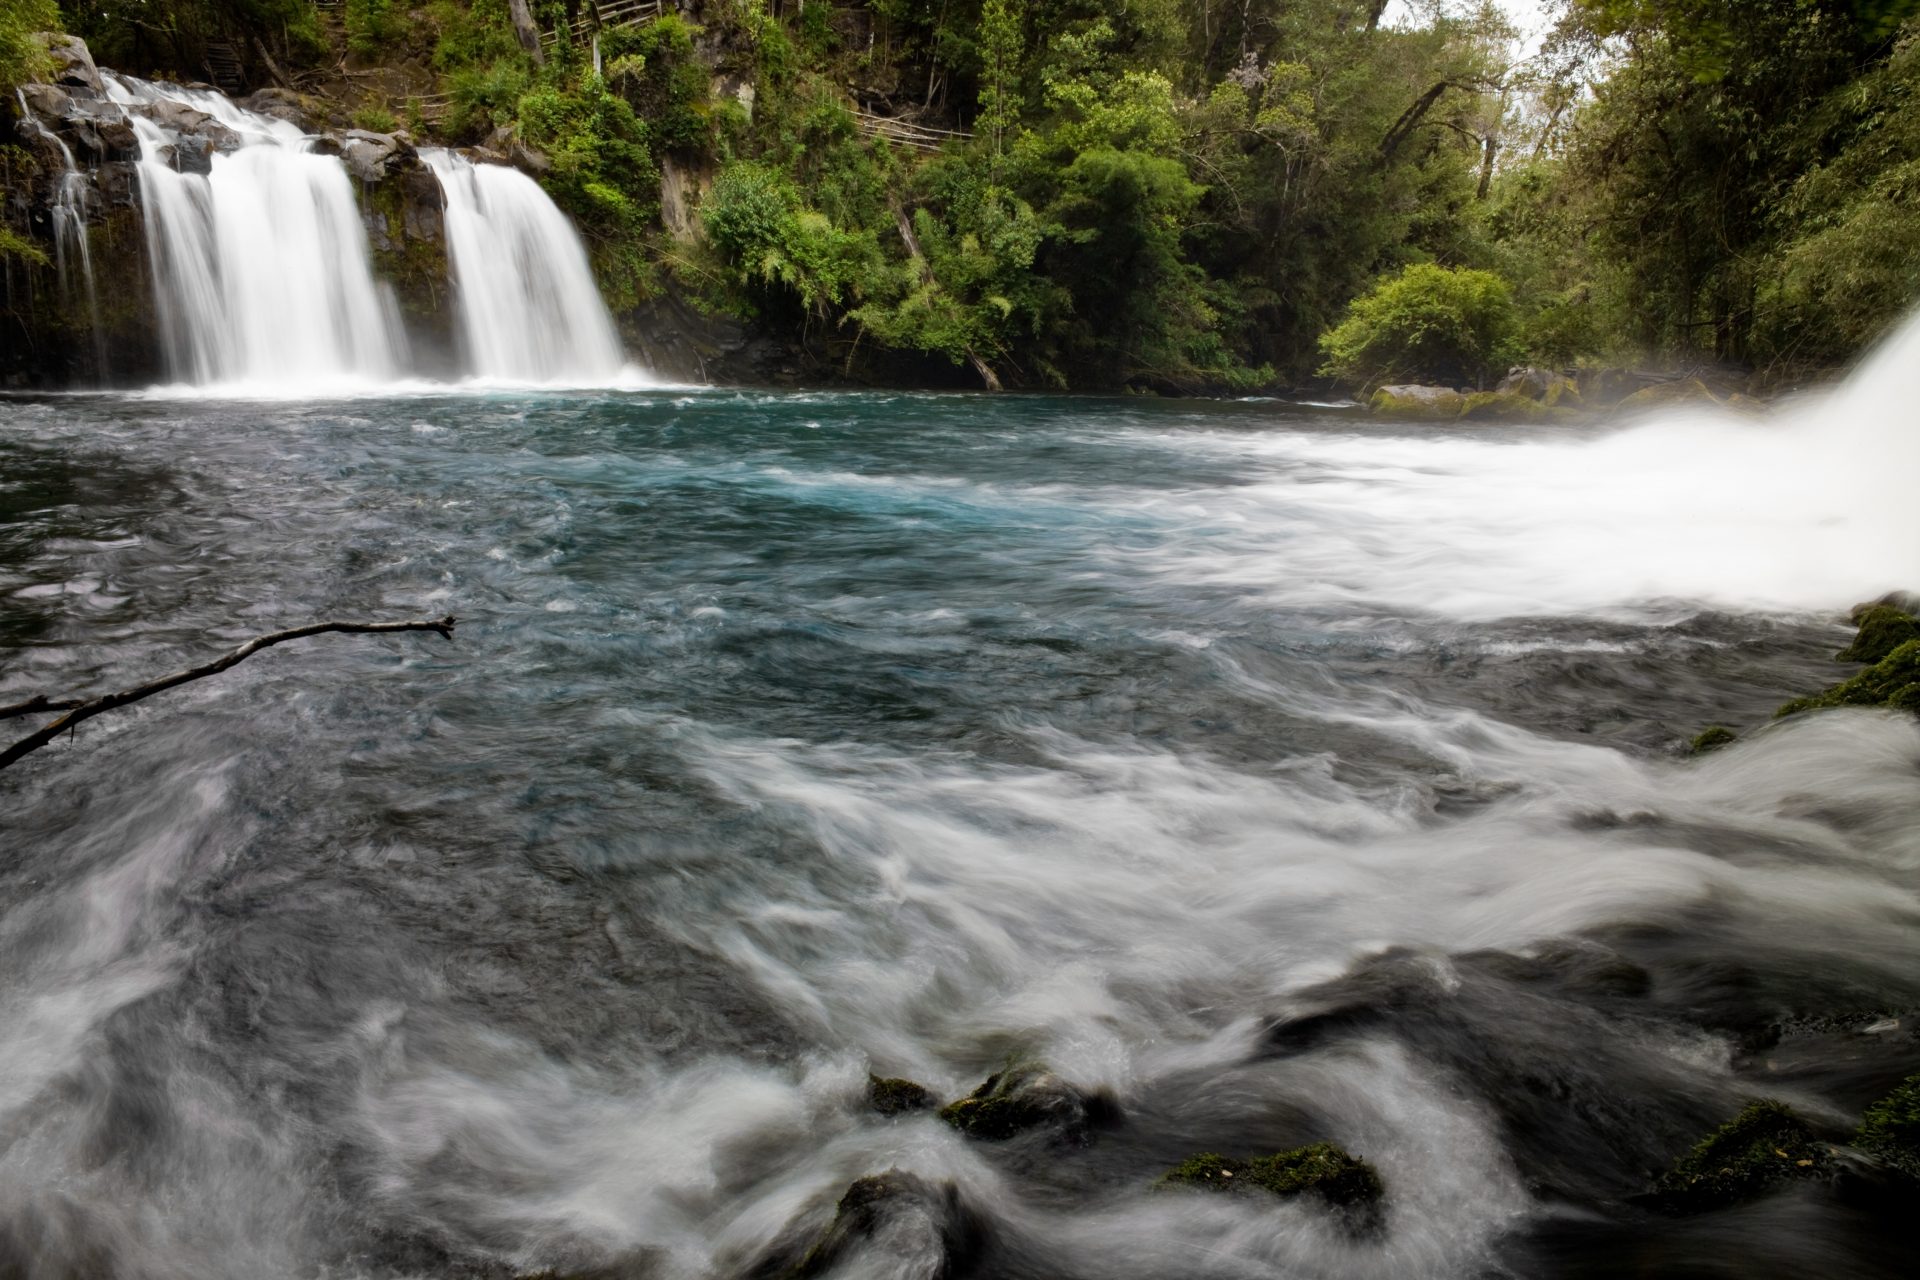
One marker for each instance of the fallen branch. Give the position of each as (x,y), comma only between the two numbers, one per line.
(79,710)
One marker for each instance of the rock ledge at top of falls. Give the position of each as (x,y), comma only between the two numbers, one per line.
(375,157)
(73,64)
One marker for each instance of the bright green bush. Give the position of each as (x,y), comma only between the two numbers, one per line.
(1427,324)
(372,25)
(20,57)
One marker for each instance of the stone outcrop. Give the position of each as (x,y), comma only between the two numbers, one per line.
(1411,400)
(51,336)
(893,1223)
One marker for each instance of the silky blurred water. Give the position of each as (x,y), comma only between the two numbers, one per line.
(788,737)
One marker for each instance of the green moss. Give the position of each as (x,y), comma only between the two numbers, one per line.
(1390,402)
(1509,406)
(998,1109)
(1883,629)
(1762,1147)
(891,1097)
(1894,682)
(1712,738)
(1324,1169)
(1891,1128)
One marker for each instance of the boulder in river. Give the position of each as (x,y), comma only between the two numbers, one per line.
(1323,1170)
(1890,1130)
(1025,1098)
(1892,682)
(1883,628)
(891,1096)
(1416,401)
(896,1223)
(1763,1147)
(1543,386)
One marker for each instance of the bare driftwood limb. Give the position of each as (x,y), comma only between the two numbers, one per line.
(79,709)
(36,704)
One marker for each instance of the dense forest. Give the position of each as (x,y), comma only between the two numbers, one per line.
(1157,194)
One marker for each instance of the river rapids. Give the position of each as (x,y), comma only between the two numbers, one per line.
(792,737)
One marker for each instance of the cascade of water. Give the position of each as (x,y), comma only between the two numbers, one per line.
(261,267)
(71,246)
(529,309)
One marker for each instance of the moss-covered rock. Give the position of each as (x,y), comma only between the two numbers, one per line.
(1023,1098)
(1712,738)
(1890,1130)
(891,1096)
(1764,1146)
(1324,1169)
(1883,629)
(1894,682)
(1419,403)
(1661,395)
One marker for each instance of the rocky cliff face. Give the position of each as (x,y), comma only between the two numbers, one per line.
(69,162)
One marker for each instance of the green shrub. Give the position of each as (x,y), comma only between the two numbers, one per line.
(21,57)
(375,118)
(373,24)
(1429,323)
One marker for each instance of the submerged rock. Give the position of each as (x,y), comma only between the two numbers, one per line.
(1027,1097)
(896,1223)
(891,1096)
(1764,1146)
(1883,628)
(1892,682)
(1712,738)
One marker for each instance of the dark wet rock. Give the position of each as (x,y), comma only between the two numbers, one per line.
(72,62)
(1890,1130)
(1550,1041)
(891,1096)
(46,101)
(1763,1147)
(405,217)
(1420,402)
(375,157)
(1028,1097)
(103,140)
(1323,1170)
(178,118)
(1577,968)
(895,1223)
(1893,682)
(1883,628)
(1712,738)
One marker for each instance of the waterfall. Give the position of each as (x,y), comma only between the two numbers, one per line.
(71,247)
(260,266)
(529,309)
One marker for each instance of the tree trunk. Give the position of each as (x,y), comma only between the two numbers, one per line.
(524,28)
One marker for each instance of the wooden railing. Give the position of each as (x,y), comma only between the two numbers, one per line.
(905,133)
(614,13)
